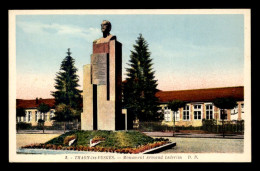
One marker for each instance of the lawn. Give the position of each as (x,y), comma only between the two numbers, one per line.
(116,139)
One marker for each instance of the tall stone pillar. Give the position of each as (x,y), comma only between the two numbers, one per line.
(102,79)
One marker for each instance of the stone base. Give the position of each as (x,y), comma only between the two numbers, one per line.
(102,103)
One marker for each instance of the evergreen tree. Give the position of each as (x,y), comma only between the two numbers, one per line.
(140,86)
(68,98)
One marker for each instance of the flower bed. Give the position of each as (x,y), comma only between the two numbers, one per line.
(129,150)
(102,141)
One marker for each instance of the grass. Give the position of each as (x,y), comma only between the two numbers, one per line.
(115,139)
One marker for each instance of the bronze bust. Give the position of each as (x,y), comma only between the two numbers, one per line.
(105,28)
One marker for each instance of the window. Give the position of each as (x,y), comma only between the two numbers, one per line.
(36,116)
(41,116)
(242,110)
(209,111)
(25,117)
(29,116)
(186,113)
(177,115)
(225,114)
(167,114)
(234,114)
(52,114)
(45,116)
(197,111)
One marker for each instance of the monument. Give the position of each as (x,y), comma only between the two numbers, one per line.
(102,79)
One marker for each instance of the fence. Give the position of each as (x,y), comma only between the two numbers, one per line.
(56,126)
(209,126)
(68,126)
(151,126)
(229,126)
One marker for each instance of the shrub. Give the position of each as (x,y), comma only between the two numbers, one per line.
(188,128)
(153,126)
(23,125)
(209,125)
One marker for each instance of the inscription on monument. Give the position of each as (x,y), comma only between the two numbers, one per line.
(99,68)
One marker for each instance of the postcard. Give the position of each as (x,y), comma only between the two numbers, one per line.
(132,86)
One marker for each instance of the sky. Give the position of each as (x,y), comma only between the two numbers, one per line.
(188,51)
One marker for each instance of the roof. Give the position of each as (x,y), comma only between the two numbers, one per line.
(201,95)
(30,104)
(196,95)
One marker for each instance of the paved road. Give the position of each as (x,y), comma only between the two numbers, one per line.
(26,139)
(205,145)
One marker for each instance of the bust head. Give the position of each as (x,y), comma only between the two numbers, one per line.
(105,28)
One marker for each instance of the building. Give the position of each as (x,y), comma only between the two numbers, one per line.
(199,105)
(32,114)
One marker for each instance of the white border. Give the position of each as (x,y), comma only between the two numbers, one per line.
(202,157)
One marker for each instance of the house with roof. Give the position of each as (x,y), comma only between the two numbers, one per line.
(199,105)
(32,114)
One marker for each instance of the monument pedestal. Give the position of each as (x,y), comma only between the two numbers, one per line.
(102,95)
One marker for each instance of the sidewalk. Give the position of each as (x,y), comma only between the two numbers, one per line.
(40,131)
(152,134)
(192,135)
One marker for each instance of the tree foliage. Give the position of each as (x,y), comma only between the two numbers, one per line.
(225,103)
(67,95)
(43,108)
(65,113)
(175,105)
(20,112)
(140,86)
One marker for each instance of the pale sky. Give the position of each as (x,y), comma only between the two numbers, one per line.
(188,51)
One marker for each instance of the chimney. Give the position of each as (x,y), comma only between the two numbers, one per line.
(37,101)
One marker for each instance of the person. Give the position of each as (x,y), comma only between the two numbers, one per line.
(105,28)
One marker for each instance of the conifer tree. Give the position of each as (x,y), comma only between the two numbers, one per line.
(67,96)
(140,86)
